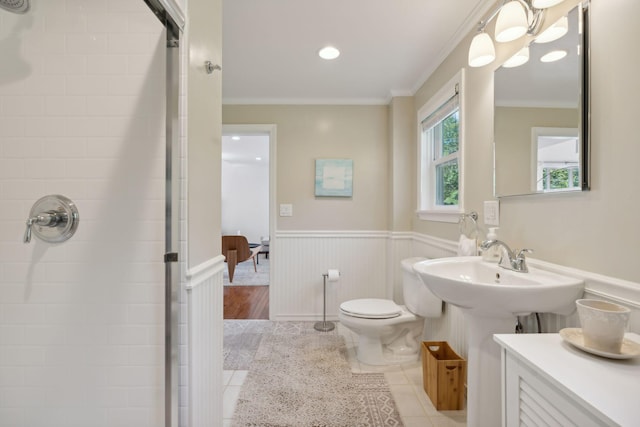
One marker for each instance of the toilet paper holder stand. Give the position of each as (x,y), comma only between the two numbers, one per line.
(324,326)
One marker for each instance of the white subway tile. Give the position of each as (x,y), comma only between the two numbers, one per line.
(65,105)
(86,126)
(146,355)
(22,190)
(86,6)
(125,7)
(17,148)
(12,126)
(65,148)
(65,23)
(36,45)
(23,314)
(146,314)
(44,168)
(93,44)
(126,334)
(22,105)
(106,23)
(22,356)
(12,334)
(67,65)
(45,127)
(12,169)
(106,64)
(87,85)
(39,85)
(11,376)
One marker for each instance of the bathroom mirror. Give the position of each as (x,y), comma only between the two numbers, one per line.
(541,117)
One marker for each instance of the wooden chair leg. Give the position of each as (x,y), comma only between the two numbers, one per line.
(232,260)
(255,268)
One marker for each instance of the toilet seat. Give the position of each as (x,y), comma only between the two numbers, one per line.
(371,308)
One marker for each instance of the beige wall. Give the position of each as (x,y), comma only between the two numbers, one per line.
(306,133)
(204,132)
(512,127)
(597,230)
(402,155)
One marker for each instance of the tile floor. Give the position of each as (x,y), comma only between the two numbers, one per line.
(405,382)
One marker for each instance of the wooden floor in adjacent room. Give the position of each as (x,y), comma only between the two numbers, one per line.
(246,302)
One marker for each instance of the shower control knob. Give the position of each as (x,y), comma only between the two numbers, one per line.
(53,219)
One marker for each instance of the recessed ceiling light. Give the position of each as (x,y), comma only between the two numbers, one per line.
(329,52)
(554,55)
(235,138)
(258,158)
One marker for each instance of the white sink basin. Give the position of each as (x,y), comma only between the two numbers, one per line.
(490,297)
(485,288)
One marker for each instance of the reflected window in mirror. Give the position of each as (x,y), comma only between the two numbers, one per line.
(556,153)
(534,96)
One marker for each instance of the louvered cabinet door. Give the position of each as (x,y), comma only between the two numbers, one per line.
(530,400)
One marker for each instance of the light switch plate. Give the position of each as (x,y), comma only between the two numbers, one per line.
(286,210)
(492,212)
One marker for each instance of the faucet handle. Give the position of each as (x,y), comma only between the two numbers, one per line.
(521,253)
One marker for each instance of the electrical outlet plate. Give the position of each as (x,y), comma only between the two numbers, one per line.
(492,212)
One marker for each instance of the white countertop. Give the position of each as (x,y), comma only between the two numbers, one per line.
(610,386)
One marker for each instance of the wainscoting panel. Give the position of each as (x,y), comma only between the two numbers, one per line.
(204,291)
(299,258)
(451,327)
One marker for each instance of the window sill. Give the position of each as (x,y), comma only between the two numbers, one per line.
(440,216)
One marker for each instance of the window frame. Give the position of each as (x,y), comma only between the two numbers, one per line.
(427,182)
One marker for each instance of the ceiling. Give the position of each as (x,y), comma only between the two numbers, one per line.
(388,48)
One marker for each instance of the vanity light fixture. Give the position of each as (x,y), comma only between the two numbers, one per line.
(328,52)
(554,55)
(515,18)
(554,32)
(521,57)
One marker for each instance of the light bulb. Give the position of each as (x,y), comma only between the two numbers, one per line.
(512,22)
(521,57)
(543,4)
(481,51)
(554,32)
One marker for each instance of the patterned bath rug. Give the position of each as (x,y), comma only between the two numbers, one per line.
(305,381)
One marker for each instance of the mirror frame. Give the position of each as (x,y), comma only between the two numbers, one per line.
(584,115)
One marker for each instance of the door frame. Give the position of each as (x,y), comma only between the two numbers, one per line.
(270,130)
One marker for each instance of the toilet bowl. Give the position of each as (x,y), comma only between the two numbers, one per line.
(389,333)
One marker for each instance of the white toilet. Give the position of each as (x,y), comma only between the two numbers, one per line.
(389,333)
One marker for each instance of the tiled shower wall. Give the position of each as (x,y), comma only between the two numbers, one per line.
(82,114)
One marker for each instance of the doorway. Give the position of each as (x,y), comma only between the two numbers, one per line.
(247,206)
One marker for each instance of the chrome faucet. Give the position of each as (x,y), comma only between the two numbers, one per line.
(517,260)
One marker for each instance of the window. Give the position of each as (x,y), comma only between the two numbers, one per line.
(555,160)
(440,148)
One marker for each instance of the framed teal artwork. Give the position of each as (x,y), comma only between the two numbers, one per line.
(334,177)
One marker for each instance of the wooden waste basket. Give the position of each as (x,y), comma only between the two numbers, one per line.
(444,374)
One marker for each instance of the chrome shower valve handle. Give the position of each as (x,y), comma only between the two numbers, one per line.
(53,219)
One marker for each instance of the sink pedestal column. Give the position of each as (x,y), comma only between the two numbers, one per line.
(484,397)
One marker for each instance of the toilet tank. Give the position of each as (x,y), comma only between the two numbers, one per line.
(417,297)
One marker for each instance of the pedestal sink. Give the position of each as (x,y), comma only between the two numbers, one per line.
(491,297)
